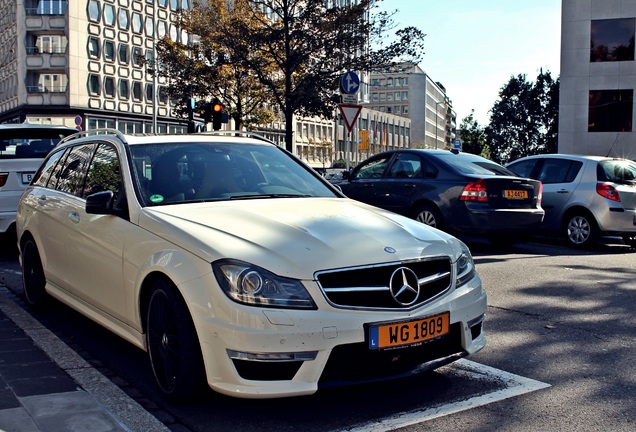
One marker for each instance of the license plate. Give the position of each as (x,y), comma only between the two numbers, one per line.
(408,333)
(515,194)
(26,177)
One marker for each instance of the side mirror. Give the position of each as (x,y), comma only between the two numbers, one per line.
(346,175)
(100,203)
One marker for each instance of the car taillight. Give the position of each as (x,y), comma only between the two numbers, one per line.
(3,178)
(475,191)
(606,190)
(540,196)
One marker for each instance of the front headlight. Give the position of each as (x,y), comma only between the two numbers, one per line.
(465,265)
(254,286)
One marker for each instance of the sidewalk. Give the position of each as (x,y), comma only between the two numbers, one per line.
(45,386)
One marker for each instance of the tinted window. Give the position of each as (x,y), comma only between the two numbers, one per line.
(617,171)
(406,166)
(559,171)
(523,168)
(42,177)
(71,178)
(104,172)
(372,169)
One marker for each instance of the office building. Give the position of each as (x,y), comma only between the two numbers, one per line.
(598,78)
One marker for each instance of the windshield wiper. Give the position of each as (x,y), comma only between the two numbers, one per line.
(274,195)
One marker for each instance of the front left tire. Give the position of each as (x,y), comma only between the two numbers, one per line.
(173,345)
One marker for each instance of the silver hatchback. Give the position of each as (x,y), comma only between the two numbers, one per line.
(584,197)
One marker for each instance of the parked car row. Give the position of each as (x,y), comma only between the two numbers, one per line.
(577,197)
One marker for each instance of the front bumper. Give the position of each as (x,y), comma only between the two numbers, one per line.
(265,353)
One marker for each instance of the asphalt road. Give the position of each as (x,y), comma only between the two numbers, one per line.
(559,317)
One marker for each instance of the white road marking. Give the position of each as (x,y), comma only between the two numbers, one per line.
(515,385)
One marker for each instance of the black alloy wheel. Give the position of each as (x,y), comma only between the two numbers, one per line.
(173,346)
(33,277)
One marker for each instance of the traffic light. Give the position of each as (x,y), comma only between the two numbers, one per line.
(217,115)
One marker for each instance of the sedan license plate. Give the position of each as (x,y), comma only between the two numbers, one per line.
(26,178)
(408,333)
(515,194)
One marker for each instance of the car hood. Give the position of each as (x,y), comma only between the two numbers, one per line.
(296,237)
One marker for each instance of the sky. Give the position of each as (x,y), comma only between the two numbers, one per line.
(473,47)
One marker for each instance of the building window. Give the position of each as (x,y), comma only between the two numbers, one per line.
(109,87)
(109,15)
(162,29)
(610,110)
(405,95)
(51,44)
(612,40)
(94,49)
(150,26)
(124,89)
(94,85)
(149,93)
(163,95)
(123,19)
(137,56)
(137,94)
(94,11)
(124,54)
(136,22)
(109,51)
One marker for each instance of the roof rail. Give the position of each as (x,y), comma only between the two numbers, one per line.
(244,133)
(93,132)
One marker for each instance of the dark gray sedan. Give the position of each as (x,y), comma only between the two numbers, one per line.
(456,192)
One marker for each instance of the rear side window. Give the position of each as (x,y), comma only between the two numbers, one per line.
(45,173)
(617,171)
(523,168)
(559,171)
(73,174)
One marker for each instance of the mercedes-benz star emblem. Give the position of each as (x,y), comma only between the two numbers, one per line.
(404,286)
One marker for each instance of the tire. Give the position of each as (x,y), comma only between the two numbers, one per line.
(33,278)
(429,215)
(580,230)
(630,240)
(173,345)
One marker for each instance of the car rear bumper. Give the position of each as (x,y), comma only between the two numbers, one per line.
(494,221)
(618,220)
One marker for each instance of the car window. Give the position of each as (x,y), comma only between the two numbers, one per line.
(406,166)
(559,171)
(104,173)
(617,171)
(44,174)
(523,168)
(372,169)
(72,176)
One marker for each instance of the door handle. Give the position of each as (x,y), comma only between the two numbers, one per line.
(74,217)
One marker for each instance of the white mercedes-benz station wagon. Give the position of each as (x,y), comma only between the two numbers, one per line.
(235,265)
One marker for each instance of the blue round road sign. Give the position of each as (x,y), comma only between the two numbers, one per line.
(350,83)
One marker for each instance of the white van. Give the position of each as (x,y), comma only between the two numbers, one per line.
(22,149)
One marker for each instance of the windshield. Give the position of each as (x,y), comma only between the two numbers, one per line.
(195,172)
(30,141)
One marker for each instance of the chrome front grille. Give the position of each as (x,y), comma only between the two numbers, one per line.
(369,287)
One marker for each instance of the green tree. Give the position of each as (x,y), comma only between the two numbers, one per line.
(202,71)
(472,135)
(524,121)
(298,49)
